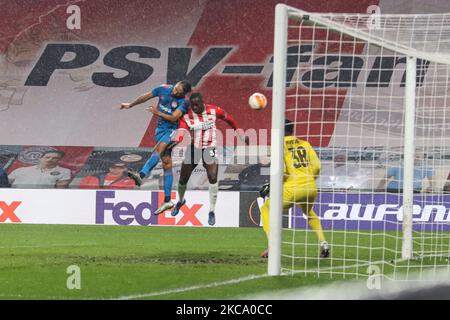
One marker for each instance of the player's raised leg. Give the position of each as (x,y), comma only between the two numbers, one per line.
(306,200)
(152,161)
(168,182)
(191,159)
(265,223)
(185,174)
(163,141)
(265,213)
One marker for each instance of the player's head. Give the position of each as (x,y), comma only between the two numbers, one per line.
(288,127)
(196,102)
(50,158)
(181,88)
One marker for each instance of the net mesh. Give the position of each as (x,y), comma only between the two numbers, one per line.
(345,93)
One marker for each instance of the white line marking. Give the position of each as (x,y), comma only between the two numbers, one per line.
(318,270)
(192,288)
(210,285)
(227,282)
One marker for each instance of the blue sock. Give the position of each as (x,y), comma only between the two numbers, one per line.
(150,164)
(168,181)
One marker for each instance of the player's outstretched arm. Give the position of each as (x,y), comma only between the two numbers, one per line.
(174,117)
(221,114)
(141,99)
(182,131)
(265,190)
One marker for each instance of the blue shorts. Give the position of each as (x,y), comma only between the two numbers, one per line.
(165,135)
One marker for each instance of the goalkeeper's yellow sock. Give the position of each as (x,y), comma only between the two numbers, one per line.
(265,217)
(315,224)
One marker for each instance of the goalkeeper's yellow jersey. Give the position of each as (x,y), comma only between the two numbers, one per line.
(301,163)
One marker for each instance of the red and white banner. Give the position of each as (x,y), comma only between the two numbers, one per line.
(65,66)
(63,86)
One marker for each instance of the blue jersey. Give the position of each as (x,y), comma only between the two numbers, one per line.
(168,104)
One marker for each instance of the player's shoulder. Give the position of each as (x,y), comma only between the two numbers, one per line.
(184,100)
(23,169)
(305,143)
(187,114)
(293,141)
(212,108)
(163,87)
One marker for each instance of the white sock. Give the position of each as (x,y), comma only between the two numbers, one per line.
(181,191)
(213,189)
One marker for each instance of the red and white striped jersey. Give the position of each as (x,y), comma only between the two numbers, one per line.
(202,126)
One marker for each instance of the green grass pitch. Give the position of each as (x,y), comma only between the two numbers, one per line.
(154,262)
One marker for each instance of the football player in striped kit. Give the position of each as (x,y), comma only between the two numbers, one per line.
(200,122)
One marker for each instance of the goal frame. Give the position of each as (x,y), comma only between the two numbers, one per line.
(282,15)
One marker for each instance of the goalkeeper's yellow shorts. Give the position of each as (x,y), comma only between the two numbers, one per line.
(301,196)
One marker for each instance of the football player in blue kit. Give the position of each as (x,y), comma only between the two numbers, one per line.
(173,102)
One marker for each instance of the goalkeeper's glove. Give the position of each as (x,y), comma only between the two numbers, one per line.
(264,191)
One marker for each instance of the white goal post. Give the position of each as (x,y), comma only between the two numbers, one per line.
(306,76)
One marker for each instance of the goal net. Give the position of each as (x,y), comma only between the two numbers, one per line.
(370,93)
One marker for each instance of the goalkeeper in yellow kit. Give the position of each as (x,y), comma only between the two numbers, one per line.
(301,168)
